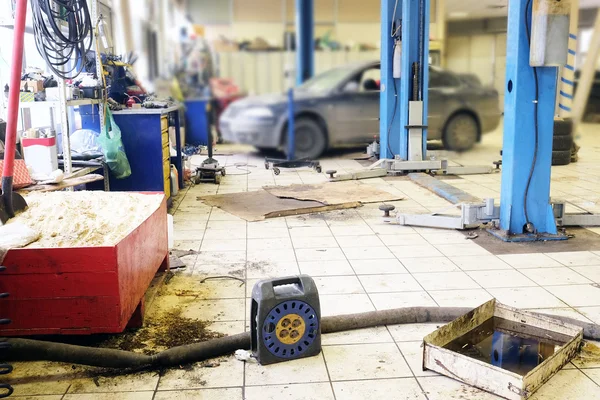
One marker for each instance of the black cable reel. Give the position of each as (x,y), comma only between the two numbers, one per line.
(285,319)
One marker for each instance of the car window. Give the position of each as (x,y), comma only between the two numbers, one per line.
(370,80)
(325,81)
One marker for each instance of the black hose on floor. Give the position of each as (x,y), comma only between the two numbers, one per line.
(36,350)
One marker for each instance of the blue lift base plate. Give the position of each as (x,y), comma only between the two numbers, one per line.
(541,237)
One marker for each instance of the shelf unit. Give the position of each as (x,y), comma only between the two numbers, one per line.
(62,104)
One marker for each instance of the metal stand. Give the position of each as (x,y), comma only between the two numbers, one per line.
(487,213)
(209,170)
(291,162)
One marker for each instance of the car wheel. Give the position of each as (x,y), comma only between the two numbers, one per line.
(310,138)
(461,132)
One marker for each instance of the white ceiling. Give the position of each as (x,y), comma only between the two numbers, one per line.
(468,9)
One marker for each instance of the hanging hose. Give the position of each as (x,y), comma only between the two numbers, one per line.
(62,31)
(35,350)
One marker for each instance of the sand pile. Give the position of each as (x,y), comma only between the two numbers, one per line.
(82,219)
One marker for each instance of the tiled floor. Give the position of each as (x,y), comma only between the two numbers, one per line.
(359,263)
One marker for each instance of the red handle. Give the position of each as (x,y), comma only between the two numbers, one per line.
(15,87)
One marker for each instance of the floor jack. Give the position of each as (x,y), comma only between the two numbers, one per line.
(209,170)
(291,162)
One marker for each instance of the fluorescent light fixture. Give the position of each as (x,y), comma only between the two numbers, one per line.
(458,14)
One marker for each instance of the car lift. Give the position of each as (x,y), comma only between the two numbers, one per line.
(536,45)
(403,109)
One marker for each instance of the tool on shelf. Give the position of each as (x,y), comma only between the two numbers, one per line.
(12,202)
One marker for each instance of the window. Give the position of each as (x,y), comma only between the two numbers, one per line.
(370,80)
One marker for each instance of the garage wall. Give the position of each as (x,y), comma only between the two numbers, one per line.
(264,72)
(348,21)
(483,55)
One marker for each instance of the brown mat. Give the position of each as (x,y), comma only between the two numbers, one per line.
(330,193)
(583,240)
(258,205)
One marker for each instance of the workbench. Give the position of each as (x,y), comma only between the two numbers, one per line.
(145,135)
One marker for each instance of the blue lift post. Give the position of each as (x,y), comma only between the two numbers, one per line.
(389,109)
(520,135)
(414,16)
(305,40)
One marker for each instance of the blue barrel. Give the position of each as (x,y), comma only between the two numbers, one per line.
(196,122)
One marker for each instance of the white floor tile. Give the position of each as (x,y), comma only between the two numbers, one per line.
(359,241)
(320,268)
(110,396)
(383,266)
(341,304)
(270,243)
(389,283)
(576,258)
(310,231)
(386,301)
(351,230)
(592,313)
(367,253)
(467,249)
(378,334)
(530,297)
(416,251)
(429,264)
(445,281)
(413,354)
(338,285)
(223,245)
(396,389)
(568,384)
(591,272)
(304,370)
(316,242)
(366,361)
(577,295)
(442,388)
(522,261)
(323,254)
(403,240)
(501,278)
(302,391)
(460,298)
(263,232)
(480,263)
(556,276)
(227,374)
(200,394)
(271,269)
(412,332)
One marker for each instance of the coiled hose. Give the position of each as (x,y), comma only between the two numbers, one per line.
(35,350)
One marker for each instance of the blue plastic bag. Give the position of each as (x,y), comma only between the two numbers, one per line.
(112,147)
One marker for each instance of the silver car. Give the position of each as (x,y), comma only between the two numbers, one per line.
(341,107)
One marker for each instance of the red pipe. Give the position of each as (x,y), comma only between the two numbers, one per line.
(15,87)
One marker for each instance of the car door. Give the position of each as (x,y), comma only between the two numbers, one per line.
(436,104)
(357,107)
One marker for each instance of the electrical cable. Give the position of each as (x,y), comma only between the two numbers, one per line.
(58,49)
(393,35)
(529,225)
(393,115)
